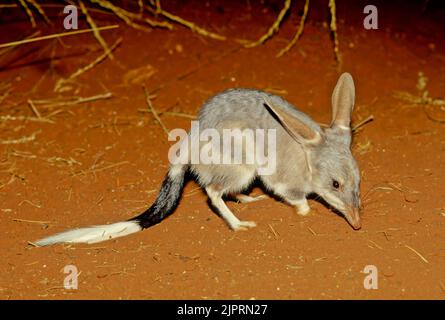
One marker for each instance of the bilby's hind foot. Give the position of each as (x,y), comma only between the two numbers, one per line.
(243,225)
(215,195)
(242,198)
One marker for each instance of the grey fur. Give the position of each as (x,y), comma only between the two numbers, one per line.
(303,167)
(308,160)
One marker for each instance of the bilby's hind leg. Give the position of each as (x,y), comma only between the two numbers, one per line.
(215,194)
(243,198)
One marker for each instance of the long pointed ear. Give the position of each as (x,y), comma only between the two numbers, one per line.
(297,129)
(343,99)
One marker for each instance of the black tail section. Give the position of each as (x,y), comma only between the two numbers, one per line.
(167,200)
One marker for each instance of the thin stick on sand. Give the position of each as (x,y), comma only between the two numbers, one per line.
(127,16)
(4,51)
(188,24)
(428,115)
(34,108)
(94,170)
(417,253)
(178,114)
(192,26)
(299,31)
(333,27)
(274,28)
(40,10)
(31,221)
(6,90)
(28,12)
(423,98)
(24,139)
(171,113)
(52,36)
(141,6)
(48,103)
(153,111)
(54,5)
(88,67)
(362,123)
(418,99)
(95,62)
(158,6)
(23,118)
(96,32)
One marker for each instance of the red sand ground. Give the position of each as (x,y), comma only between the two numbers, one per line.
(117,157)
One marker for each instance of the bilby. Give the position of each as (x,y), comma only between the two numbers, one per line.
(309,160)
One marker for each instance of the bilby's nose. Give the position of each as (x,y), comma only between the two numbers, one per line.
(353,217)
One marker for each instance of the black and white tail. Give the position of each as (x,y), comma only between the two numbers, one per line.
(165,204)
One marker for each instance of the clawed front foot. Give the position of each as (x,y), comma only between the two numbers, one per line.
(303,209)
(301,206)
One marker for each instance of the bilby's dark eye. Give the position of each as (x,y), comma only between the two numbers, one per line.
(335,184)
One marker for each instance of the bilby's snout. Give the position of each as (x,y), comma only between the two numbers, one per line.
(352,215)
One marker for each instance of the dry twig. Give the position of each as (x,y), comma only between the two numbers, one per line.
(23,118)
(274,28)
(192,26)
(50,103)
(96,32)
(128,17)
(8,49)
(417,253)
(61,82)
(153,111)
(24,139)
(34,109)
(299,31)
(423,98)
(39,10)
(333,27)
(362,123)
(52,36)
(28,12)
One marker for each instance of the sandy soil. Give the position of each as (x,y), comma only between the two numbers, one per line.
(103,161)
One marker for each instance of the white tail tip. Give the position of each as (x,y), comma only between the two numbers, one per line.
(92,234)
